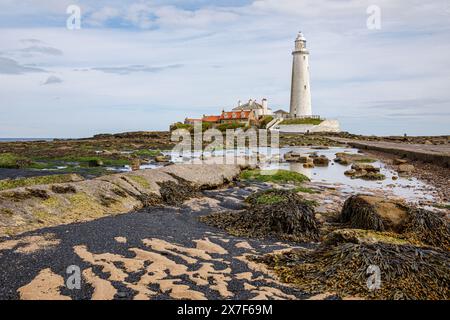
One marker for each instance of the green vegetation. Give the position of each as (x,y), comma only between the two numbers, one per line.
(265,121)
(302,121)
(27,182)
(234,125)
(277,176)
(180,125)
(268,198)
(97,172)
(190,127)
(13,161)
(84,161)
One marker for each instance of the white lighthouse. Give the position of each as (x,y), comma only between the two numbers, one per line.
(300,88)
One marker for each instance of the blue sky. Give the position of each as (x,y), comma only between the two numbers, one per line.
(140,65)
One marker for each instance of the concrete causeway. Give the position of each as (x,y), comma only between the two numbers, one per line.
(437,154)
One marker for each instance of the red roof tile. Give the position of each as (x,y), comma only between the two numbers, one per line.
(211,119)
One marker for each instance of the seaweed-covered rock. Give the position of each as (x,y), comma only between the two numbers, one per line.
(360,236)
(374,213)
(344,266)
(415,224)
(175,193)
(428,227)
(274,213)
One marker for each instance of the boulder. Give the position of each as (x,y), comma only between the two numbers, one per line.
(292,156)
(295,157)
(398,162)
(405,168)
(348,158)
(373,176)
(162,159)
(374,213)
(321,161)
(342,161)
(366,167)
(350,173)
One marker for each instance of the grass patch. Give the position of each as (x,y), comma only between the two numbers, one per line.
(13,161)
(311,121)
(276,176)
(33,181)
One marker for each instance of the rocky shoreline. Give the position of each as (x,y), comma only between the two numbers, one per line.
(234,224)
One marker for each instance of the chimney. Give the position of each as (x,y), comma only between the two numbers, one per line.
(239,103)
(265,106)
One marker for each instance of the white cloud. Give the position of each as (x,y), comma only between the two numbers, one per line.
(371,80)
(10,66)
(100,17)
(52,80)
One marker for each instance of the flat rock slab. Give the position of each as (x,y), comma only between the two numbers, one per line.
(25,209)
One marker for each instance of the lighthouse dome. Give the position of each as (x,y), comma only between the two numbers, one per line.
(300,37)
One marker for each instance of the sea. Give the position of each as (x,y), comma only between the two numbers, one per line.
(24,139)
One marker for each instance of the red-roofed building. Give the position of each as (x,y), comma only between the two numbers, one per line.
(211,119)
(245,117)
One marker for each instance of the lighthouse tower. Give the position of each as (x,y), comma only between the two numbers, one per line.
(300,87)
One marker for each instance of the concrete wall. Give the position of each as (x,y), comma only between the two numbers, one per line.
(325,126)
